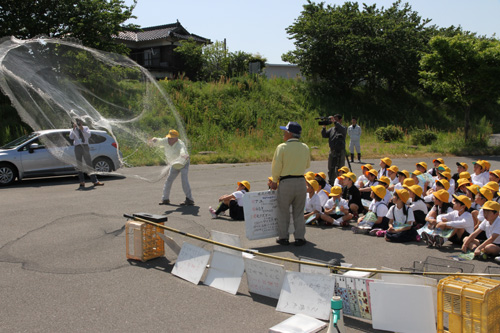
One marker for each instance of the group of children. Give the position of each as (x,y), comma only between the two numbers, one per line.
(428,203)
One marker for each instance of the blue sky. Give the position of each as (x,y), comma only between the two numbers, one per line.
(258,26)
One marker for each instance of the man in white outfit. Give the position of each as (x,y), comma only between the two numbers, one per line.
(354,132)
(178,158)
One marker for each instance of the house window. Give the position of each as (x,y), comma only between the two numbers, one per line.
(151,57)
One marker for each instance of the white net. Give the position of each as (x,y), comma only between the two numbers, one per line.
(51,82)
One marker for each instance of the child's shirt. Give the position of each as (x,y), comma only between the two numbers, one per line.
(398,216)
(341,203)
(480,179)
(313,203)
(434,209)
(419,205)
(378,207)
(323,197)
(463,221)
(327,187)
(363,179)
(387,198)
(491,229)
(238,195)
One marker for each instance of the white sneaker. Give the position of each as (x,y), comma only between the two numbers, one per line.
(337,222)
(497,259)
(212,212)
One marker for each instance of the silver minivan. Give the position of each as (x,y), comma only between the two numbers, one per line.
(28,156)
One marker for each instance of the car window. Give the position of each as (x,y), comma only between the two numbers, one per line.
(96,138)
(55,139)
(18,141)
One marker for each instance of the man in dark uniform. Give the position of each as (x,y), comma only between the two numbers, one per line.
(336,139)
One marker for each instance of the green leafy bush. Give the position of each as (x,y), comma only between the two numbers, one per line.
(423,137)
(389,133)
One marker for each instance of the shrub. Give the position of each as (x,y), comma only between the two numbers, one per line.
(423,137)
(389,133)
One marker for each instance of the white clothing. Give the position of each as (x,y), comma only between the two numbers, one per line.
(379,208)
(313,203)
(480,179)
(491,229)
(328,187)
(238,195)
(398,216)
(354,132)
(387,198)
(433,209)
(419,205)
(382,172)
(323,197)
(75,136)
(363,179)
(463,221)
(342,203)
(176,153)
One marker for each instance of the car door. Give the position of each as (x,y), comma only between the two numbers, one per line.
(53,155)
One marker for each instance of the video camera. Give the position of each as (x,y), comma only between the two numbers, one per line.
(323,121)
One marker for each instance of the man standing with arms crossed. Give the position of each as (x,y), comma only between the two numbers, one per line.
(290,161)
(354,132)
(336,140)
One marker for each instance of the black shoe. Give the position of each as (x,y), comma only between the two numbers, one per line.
(300,242)
(164,202)
(187,202)
(282,241)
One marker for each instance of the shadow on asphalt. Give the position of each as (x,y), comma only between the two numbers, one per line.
(309,249)
(161,264)
(184,210)
(57,181)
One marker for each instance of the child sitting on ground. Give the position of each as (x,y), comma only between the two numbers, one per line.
(401,220)
(363,180)
(441,206)
(336,210)
(313,201)
(351,193)
(376,218)
(460,220)
(417,205)
(491,226)
(233,202)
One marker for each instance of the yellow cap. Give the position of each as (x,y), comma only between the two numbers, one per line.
(491,205)
(464,174)
(373,172)
(474,188)
(393,168)
(462,181)
(415,189)
(310,174)
(379,191)
(486,193)
(403,195)
(442,195)
(487,165)
(172,134)
(404,172)
(480,163)
(463,199)
(367,166)
(409,182)
(492,186)
(496,173)
(444,183)
(314,184)
(245,183)
(440,160)
(387,161)
(344,169)
(321,174)
(463,165)
(423,164)
(416,172)
(384,180)
(349,175)
(335,191)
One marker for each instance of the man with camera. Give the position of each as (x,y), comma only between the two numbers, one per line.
(336,140)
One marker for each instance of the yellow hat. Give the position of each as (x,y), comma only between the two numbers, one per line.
(487,165)
(409,182)
(444,183)
(486,193)
(446,175)
(491,205)
(344,169)
(379,191)
(172,134)
(245,183)
(416,172)
(463,199)
(387,161)
(314,184)
(480,163)
(393,168)
(440,160)
(463,165)
(335,191)
(474,188)
(384,180)
(404,172)
(442,195)
(310,174)
(367,166)
(492,186)
(464,174)
(321,174)
(443,167)
(423,164)
(403,195)
(462,181)
(496,173)
(415,189)
(349,175)
(373,172)
(309,177)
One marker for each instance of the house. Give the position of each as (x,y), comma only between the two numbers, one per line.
(153,47)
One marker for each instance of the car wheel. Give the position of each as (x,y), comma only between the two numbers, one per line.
(103,164)
(8,174)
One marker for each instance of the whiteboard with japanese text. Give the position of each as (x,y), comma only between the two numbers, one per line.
(261,211)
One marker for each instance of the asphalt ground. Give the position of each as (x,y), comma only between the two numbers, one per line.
(63,266)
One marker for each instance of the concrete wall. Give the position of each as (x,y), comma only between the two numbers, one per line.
(282,71)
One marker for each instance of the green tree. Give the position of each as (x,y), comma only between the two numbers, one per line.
(93,22)
(345,46)
(191,55)
(464,69)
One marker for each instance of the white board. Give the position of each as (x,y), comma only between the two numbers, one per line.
(170,243)
(307,293)
(303,268)
(228,239)
(191,263)
(261,213)
(225,272)
(264,278)
(300,323)
(402,307)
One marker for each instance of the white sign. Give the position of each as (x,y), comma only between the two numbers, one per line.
(225,238)
(307,293)
(191,263)
(261,209)
(264,278)
(225,272)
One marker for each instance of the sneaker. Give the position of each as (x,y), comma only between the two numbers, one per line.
(427,239)
(98,184)
(418,238)
(187,202)
(373,232)
(164,202)
(337,222)
(497,259)
(212,212)
(381,233)
(438,241)
(345,224)
(282,241)
(300,242)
